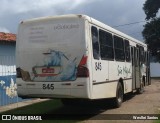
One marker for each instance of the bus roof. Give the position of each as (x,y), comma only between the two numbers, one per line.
(91,20)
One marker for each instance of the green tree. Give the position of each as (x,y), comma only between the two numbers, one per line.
(151,8)
(151,32)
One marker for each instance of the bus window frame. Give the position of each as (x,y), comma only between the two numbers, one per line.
(97,41)
(106,33)
(122,49)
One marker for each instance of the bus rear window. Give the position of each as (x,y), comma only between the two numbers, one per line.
(95,43)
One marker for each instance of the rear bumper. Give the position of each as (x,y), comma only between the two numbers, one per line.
(60,90)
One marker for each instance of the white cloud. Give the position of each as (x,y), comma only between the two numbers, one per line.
(14,11)
(79,2)
(3,29)
(24,6)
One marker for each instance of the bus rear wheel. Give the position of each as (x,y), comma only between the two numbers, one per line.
(119,96)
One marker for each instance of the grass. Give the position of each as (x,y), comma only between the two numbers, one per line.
(38,108)
(42,108)
(158,121)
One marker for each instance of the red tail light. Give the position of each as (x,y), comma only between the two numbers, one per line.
(82,70)
(83,61)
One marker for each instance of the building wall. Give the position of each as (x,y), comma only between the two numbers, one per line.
(7,49)
(155,69)
(8,87)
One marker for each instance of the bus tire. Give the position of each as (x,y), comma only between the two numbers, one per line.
(119,96)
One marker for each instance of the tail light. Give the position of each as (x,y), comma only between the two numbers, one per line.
(18,72)
(82,70)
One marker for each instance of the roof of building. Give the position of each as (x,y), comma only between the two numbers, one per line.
(7,37)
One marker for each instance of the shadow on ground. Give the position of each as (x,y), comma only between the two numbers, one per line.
(55,110)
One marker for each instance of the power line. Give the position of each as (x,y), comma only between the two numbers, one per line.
(135,32)
(130,23)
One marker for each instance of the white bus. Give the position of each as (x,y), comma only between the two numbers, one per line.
(77,57)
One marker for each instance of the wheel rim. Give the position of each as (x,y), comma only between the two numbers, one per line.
(120,95)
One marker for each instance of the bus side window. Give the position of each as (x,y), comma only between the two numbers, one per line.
(145,57)
(142,55)
(127,50)
(132,55)
(95,43)
(106,45)
(119,48)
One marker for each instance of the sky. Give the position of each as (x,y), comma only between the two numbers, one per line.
(110,12)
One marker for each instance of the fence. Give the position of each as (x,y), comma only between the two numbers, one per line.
(8,87)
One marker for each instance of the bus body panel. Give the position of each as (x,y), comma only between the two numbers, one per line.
(107,73)
(49,52)
(106,88)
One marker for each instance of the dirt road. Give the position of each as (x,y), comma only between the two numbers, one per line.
(146,103)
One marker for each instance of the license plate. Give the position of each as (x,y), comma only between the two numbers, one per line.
(44,71)
(48,70)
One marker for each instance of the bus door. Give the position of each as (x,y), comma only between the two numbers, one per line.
(135,53)
(133,68)
(148,80)
(137,67)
